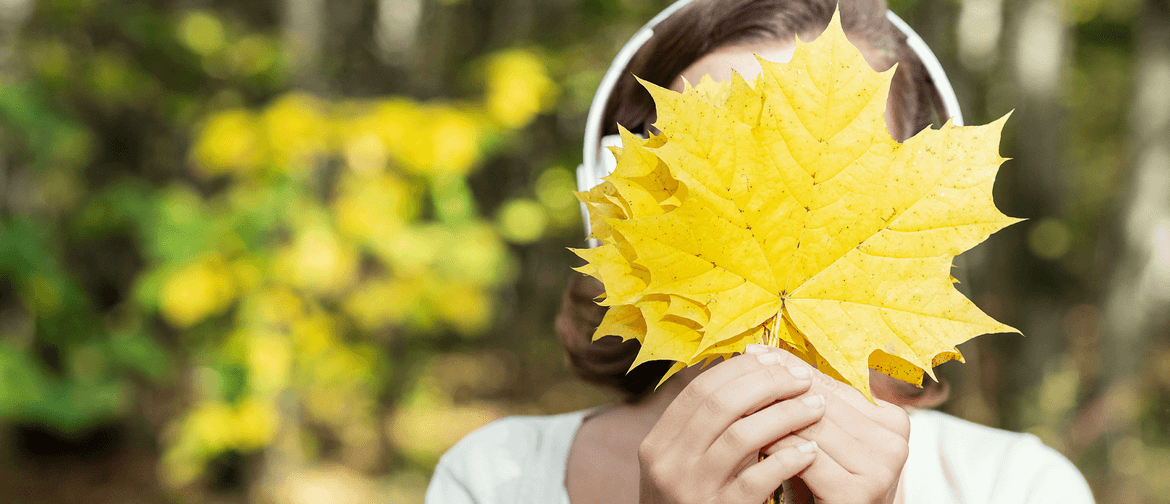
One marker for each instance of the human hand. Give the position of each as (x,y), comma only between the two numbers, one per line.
(861,446)
(703,447)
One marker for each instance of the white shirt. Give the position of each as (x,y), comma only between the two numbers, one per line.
(520,460)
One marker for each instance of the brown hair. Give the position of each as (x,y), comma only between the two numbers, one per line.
(695,31)
(706,25)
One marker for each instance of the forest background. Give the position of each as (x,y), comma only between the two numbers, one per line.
(290,251)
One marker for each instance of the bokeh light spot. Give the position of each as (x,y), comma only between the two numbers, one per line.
(1049,239)
(201,32)
(522,220)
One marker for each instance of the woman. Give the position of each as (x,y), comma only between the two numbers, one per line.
(696,438)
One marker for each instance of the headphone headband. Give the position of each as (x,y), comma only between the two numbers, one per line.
(590,172)
(593,125)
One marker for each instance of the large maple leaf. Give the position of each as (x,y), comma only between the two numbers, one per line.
(783,212)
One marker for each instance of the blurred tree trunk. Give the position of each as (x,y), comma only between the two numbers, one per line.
(1137,301)
(1030,293)
(12,22)
(974,28)
(304,32)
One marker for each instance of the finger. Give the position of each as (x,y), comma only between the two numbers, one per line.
(856,443)
(853,431)
(825,476)
(689,401)
(881,428)
(748,435)
(858,451)
(849,470)
(707,382)
(739,397)
(889,415)
(757,482)
(886,413)
(830,481)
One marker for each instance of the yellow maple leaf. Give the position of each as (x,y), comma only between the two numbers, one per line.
(782,212)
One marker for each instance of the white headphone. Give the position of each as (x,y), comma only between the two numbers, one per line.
(599,162)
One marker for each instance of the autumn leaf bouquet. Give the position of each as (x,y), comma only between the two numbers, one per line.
(781,211)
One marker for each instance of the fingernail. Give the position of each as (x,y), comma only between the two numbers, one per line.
(768,358)
(814,401)
(800,372)
(755,349)
(808,447)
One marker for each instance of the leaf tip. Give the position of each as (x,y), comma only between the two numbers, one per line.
(835,22)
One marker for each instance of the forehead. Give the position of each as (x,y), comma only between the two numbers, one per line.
(741,58)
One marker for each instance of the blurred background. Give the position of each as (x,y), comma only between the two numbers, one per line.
(290,251)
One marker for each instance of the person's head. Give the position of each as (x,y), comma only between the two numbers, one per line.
(704,27)
(714,37)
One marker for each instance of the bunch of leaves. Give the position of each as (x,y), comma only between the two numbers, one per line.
(783,212)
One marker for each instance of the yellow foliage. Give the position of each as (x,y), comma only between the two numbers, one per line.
(454,140)
(255,424)
(211,424)
(247,274)
(341,366)
(366,153)
(785,214)
(430,423)
(313,334)
(297,132)
(518,88)
(467,308)
(274,306)
(212,427)
(397,123)
(229,142)
(411,251)
(472,254)
(418,138)
(428,272)
(522,220)
(191,293)
(380,301)
(373,206)
(318,261)
(297,129)
(269,359)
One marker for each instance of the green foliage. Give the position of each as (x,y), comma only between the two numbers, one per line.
(346,250)
(175,217)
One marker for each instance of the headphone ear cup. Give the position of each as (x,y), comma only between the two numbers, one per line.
(589,177)
(606,161)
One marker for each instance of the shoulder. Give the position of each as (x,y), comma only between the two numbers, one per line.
(975,463)
(506,459)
